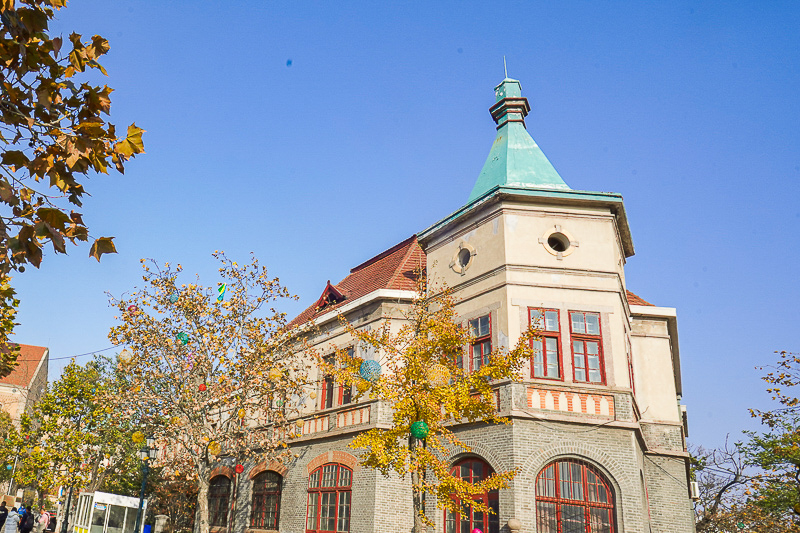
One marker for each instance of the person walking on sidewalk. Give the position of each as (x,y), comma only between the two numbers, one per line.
(12,521)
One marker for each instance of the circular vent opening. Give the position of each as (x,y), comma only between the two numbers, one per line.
(558,242)
(464,257)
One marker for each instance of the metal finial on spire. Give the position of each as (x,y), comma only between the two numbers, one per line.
(505,70)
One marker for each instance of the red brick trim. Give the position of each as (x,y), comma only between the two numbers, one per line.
(343,458)
(221,471)
(275,466)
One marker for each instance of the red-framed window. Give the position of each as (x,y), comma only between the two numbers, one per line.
(219,493)
(587,350)
(574,497)
(266,500)
(329,497)
(334,394)
(546,362)
(480,329)
(467,518)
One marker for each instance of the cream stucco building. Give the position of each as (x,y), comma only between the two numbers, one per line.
(598,432)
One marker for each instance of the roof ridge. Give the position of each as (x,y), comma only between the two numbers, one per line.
(382,254)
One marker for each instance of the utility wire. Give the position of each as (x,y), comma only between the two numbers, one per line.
(71,356)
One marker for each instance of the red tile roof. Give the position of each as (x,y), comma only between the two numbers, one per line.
(636,300)
(28,361)
(395,268)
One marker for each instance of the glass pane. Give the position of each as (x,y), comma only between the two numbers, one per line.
(551,347)
(328,476)
(344,511)
(98,518)
(577,347)
(477,471)
(600,520)
(547,483)
(578,325)
(130,519)
(477,521)
(538,359)
(344,477)
(450,522)
(313,503)
(313,479)
(327,511)
(465,521)
(116,519)
(494,517)
(592,324)
(546,520)
(537,320)
(573,519)
(551,321)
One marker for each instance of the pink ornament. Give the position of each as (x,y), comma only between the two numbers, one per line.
(476,530)
(132,308)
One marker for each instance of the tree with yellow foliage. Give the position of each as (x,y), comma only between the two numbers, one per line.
(420,375)
(212,371)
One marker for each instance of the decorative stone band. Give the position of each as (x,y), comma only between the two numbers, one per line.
(353,417)
(571,402)
(315,425)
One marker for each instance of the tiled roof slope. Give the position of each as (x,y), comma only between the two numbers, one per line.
(393,269)
(28,361)
(636,300)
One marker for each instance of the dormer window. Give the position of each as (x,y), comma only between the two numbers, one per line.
(330,296)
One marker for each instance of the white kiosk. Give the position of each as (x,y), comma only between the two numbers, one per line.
(101,512)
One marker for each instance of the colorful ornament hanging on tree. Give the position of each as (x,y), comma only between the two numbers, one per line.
(214,448)
(312,395)
(202,387)
(438,375)
(274,374)
(419,429)
(239,469)
(132,309)
(137,437)
(242,413)
(125,356)
(370,370)
(175,420)
(221,291)
(300,423)
(476,530)
(173,297)
(183,337)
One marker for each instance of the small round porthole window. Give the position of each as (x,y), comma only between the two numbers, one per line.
(558,242)
(463,258)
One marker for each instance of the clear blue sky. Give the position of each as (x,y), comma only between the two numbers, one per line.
(380,127)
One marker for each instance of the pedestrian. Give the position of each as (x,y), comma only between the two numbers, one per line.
(3,514)
(27,521)
(12,521)
(42,521)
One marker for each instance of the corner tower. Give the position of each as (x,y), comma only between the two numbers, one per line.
(603,388)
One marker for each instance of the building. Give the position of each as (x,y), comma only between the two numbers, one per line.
(23,387)
(598,432)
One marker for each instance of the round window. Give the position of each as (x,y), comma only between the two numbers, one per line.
(464,257)
(558,242)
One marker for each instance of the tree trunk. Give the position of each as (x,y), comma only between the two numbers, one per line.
(418,496)
(202,502)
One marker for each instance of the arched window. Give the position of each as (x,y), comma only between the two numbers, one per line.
(467,519)
(219,492)
(573,496)
(329,489)
(266,500)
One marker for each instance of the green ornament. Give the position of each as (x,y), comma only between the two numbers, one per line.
(740,525)
(183,337)
(419,429)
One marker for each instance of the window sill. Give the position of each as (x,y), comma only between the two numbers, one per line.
(256,530)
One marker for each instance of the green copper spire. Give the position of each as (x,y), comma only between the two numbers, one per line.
(515,159)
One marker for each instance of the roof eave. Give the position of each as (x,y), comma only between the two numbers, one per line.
(547,196)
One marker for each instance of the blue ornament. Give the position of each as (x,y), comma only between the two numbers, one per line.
(370,370)
(8,467)
(173,297)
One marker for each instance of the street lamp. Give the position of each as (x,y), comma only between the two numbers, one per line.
(147,452)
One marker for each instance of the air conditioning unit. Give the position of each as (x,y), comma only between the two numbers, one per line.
(694,490)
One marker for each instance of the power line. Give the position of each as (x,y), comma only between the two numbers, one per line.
(72,356)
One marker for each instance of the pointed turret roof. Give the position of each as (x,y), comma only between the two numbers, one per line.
(515,159)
